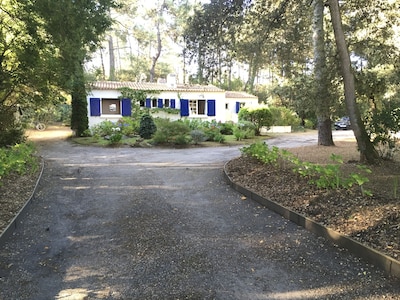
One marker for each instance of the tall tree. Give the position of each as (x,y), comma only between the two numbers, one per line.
(367,151)
(76,29)
(322,98)
(211,38)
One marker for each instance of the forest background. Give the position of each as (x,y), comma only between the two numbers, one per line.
(288,53)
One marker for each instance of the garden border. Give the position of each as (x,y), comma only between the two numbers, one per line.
(388,264)
(21,213)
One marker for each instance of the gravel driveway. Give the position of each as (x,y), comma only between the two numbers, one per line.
(129,223)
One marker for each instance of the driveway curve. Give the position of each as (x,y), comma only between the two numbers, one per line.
(130,223)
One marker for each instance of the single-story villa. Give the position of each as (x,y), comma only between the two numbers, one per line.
(204,102)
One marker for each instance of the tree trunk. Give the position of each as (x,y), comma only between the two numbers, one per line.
(322,99)
(112,58)
(368,153)
(157,55)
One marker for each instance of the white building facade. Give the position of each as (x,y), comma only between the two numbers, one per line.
(203,102)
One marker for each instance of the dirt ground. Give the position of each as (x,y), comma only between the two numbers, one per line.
(373,220)
(129,223)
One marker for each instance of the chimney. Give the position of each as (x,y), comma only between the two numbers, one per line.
(171,80)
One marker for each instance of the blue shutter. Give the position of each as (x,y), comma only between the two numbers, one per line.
(237,107)
(95,107)
(160,103)
(148,102)
(172,104)
(184,108)
(126,107)
(211,108)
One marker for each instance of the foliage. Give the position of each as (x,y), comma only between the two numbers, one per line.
(382,127)
(226,128)
(244,130)
(19,158)
(171,132)
(198,136)
(283,116)
(168,110)
(129,126)
(260,117)
(213,134)
(12,136)
(72,30)
(210,38)
(11,132)
(262,152)
(103,129)
(147,127)
(323,176)
(115,136)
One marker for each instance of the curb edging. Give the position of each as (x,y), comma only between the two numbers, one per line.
(21,213)
(388,264)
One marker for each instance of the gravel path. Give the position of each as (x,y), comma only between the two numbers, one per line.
(127,223)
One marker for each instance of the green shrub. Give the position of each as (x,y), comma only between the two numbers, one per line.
(226,128)
(19,158)
(260,117)
(128,125)
(171,132)
(283,116)
(327,176)
(116,136)
(103,129)
(147,127)
(211,133)
(198,136)
(382,127)
(239,133)
(12,136)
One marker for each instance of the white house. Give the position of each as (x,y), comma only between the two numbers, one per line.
(205,102)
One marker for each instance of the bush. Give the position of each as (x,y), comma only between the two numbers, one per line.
(12,136)
(239,133)
(116,136)
(128,126)
(226,128)
(11,131)
(198,136)
(103,129)
(147,127)
(282,116)
(211,133)
(382,127)
(259,117)
(171,132)
(19,158)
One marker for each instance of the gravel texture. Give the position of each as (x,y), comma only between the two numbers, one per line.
(127,223)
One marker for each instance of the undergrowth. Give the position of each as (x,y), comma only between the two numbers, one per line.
(328,176)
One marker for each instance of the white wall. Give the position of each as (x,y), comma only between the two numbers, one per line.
(219,97)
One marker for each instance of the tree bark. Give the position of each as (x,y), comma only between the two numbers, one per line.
(112,58)
(322,99)
(368,153)
(157,55)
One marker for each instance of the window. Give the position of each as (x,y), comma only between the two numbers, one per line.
(197,107)
(166,102)
(110,107)
(153,102)
(226,106)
